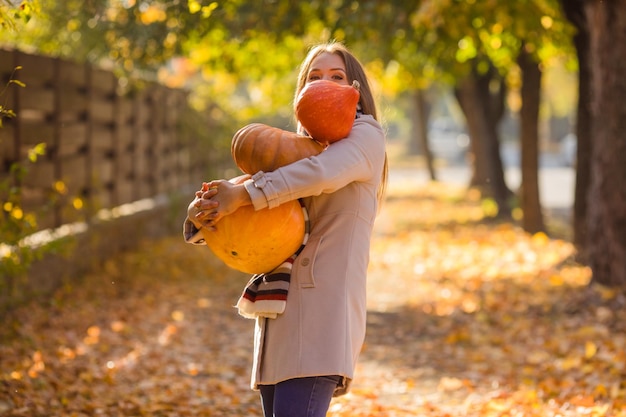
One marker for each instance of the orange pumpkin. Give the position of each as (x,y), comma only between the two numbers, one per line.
(326,109)
(258,147)
(257,241)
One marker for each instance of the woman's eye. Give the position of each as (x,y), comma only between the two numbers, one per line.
(314,77)
(338,77)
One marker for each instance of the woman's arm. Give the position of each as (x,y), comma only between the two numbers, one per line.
(359,157)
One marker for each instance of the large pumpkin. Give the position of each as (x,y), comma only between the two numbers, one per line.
(254,241)
(326,109)
(258,147)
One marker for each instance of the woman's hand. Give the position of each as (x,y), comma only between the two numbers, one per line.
(219,198)
(197,205)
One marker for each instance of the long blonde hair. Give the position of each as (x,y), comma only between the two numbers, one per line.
(354,71)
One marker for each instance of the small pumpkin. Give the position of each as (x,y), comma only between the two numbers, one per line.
(326,109)
(258,147)
(257,241)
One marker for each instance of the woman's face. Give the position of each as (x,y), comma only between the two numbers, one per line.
(328,66)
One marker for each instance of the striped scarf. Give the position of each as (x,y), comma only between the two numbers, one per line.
(265,294)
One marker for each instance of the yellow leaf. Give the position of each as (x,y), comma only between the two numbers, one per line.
(556,280)
(178,315)
(117,326)
(537,357)
(194,6)
(540,238)
(583,401)
(450,384)
(590,350)
(93,331)
(606,293)
(570,362)
(601,391)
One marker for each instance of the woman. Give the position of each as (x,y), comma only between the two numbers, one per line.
(308,354)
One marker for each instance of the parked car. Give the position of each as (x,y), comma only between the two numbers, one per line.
(447,140)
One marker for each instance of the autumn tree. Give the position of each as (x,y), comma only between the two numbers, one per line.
(600,198)
(480,44)
(606,221)
(575,12)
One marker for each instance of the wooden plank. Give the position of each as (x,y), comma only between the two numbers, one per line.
(7,146)
(168,175)
(103,83)
(73,103)
(102,140)
(142,139)
(37,99)
(74,174)
(72,75)
(34,132)
(72,83)
(40,174)
(6,65)
(103,170)
(102,110)
(126,139)
(124,190)
(72,139)
(126,110)
(37,71)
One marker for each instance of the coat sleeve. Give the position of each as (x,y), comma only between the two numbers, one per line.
(359,157)
(191,233)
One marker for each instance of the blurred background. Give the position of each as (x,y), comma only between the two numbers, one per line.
(122,100)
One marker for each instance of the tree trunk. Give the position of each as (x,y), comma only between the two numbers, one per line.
(483,111)
(607,195)
(575,12)
(467,97)
(419,122)
(529,138)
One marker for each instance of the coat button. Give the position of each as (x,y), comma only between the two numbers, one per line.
(305,262)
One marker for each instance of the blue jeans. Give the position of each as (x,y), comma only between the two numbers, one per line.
(299,397)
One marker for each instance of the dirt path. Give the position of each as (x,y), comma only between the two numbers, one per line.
(466,318)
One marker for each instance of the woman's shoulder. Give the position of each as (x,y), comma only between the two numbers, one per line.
(369,123)
(365,118)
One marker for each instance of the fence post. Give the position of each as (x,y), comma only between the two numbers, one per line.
(118,173)
(88,190)
(17,121)
(53,151)
(137,146)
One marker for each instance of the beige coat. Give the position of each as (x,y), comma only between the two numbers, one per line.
(322,329)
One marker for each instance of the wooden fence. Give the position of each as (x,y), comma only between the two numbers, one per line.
(119,167)
(104,147)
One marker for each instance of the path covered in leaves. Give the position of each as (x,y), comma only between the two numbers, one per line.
(467,318)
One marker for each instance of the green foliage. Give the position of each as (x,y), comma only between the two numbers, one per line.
(5,112)
(243,55)
(11,15)
(16,224)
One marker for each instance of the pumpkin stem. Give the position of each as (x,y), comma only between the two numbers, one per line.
(356,85)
